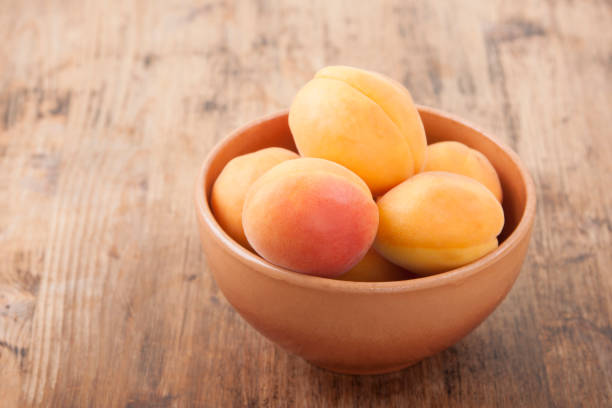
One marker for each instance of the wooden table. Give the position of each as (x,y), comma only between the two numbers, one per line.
(107,110)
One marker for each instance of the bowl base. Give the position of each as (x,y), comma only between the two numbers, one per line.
(363,370)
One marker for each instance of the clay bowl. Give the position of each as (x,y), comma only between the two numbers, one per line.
(364,327)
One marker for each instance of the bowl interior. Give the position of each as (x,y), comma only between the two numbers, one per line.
(274,131)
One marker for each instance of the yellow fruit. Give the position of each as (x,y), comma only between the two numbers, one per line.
(362,120)
(455,157)
(436,221)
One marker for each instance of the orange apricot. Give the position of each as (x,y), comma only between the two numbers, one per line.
(458,158)
(436,221)
(231,186)
(374,268)
(362,120)
(311,216)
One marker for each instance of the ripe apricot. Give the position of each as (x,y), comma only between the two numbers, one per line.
(458,158)
(232,184)
(436,221)
(362,120)
(374,268)
(310,215)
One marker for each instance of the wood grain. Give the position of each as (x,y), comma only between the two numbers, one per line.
(108,108)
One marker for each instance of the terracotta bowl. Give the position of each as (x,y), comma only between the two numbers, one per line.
(365,327)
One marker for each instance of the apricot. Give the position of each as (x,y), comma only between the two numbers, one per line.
(310,215)
(374,268)
(455,157)
(436,221)
(232,184)
(362,120)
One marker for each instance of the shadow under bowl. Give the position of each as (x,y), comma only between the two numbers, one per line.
(366,327)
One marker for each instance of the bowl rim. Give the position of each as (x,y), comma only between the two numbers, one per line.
(453,276)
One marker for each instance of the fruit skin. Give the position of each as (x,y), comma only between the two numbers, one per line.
(231,186)
(375,268)
(362,120)
(437,221)
(455,157)
(311,216)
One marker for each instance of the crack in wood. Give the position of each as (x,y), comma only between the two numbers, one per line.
(16,350)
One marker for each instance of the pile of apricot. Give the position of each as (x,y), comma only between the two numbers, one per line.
(366,199)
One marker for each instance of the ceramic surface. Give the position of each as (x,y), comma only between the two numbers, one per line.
(366,327)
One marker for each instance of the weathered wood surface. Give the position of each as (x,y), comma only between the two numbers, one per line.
(108,108)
